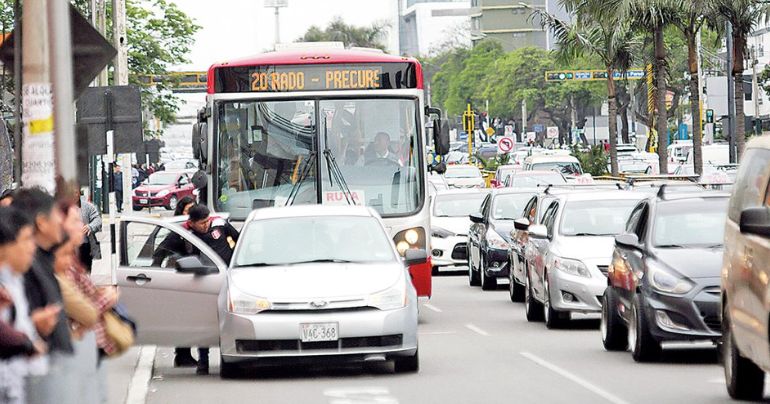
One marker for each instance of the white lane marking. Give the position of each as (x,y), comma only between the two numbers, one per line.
(360,395)
(140,381)
(477,330)
(432,307)
(593,388)
(437,332)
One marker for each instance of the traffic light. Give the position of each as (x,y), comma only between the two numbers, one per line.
(559,76)
(709,116)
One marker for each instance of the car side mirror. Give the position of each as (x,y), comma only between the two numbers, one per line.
(538,231)
(193,265)
(627,240)
(415,257)
(755,221)
(441,136)
(521,224)
(477,218)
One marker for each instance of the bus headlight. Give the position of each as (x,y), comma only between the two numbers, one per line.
(413,238)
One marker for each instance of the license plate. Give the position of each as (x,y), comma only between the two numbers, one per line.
(314,332)
(143,201)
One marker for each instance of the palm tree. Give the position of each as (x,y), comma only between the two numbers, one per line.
(605,35)
(743,15)
(690,20)
(350,35)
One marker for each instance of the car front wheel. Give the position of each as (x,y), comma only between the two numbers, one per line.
(514,288)
(487,282)
(745,380)
(532,307)
(614,330)
(407,364)
(473,276)
(644,347)
(228,370)
(553,318)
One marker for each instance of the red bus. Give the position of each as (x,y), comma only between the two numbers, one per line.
(320,125)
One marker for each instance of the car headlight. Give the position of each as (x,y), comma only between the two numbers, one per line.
(391,298)
(667,281)
(442,233)
(242,303)
(572,267)
(496,241)
(162,193)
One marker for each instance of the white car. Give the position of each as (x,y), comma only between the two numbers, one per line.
(306,283)
(450,221)
(464,176)
(567,165)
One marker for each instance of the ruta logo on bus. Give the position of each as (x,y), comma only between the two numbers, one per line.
(338,197)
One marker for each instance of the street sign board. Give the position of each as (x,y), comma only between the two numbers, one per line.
(531,136)
(505,144)
(490,131)
(552,132)
(538,127)
(508,130)
(592,75)
(90,51)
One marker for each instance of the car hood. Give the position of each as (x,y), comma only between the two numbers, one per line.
(504,228)
(154,188)
(692,262)
(315,281)
(586,247)
(465,181)
(457,225)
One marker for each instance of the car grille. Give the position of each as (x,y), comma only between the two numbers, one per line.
(713,290)
(460,252)
(296,345)
(713,322)
(325,306)
(604,269)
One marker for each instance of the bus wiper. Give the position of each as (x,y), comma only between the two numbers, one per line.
(334,170)
(297,185)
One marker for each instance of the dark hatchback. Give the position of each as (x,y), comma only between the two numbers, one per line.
(489,238)
(664,280)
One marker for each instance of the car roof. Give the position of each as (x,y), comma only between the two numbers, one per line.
(551,158)
(603,195)
(309,210)
(525,173)
(517,190)
(456,191)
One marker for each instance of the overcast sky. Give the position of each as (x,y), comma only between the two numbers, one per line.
(238,28)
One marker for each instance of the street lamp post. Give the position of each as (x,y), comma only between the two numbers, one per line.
(277,5)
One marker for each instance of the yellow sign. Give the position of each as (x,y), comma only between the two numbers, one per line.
(490,131)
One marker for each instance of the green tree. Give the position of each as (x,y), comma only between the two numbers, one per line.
(604,35)
(744,16)
(471,81)
(339,31)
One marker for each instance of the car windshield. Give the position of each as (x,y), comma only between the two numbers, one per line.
(462,172)
(276,153)
(509,206)
(457,205)
(596,217)
(524,180)
(688,223)
(301,239)
(564,167)
(162,179)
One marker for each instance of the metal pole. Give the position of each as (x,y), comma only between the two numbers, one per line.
(61,64)
(277,28)
(755,89)
(38,137)
(119,41)
(524,121)
(100,22)
(17,81)
(731,93)
(594,125)
(699,44)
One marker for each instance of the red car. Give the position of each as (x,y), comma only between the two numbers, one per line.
(164,189)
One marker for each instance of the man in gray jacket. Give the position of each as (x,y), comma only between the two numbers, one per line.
(92,224)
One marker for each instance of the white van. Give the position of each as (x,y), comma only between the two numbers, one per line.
(714,154)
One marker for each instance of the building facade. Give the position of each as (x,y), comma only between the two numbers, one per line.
(510,23)
(427,25)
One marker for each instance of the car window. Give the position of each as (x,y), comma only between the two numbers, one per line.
(183,180)
(485,206)
(752,182)
(641,227)
(152,246)
(633,219)
(509,206)
(530,209)
(550,217)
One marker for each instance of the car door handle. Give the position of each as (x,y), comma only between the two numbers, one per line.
(140,279)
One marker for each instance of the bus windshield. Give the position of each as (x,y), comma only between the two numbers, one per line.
(362,151)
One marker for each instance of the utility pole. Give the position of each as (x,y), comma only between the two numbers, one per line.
(731,92)
(37,100)
(524,121)
(755,89)
(277,5)
(64,112)
(99,20)
(699,43)
(119,41)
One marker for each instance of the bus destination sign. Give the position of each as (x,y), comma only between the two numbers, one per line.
(318,77)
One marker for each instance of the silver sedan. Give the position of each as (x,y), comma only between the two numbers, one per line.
(306,284)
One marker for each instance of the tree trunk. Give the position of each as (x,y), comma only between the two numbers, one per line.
(613,122)
(660,100)
(697,133)
(6,158)
(739,42)
(624,103)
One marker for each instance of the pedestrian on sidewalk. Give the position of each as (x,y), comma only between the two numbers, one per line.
(23,351)
(117,186)
(90,249)
(43,292)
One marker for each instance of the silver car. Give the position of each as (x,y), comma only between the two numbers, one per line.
(307,283)
(567,271)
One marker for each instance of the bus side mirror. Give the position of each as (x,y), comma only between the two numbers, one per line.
(441,136)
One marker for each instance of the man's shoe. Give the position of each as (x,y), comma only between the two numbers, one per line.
(185,361)
(202,370)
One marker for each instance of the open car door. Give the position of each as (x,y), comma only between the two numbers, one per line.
(171,307)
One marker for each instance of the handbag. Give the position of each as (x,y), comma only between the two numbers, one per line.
(120,329)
